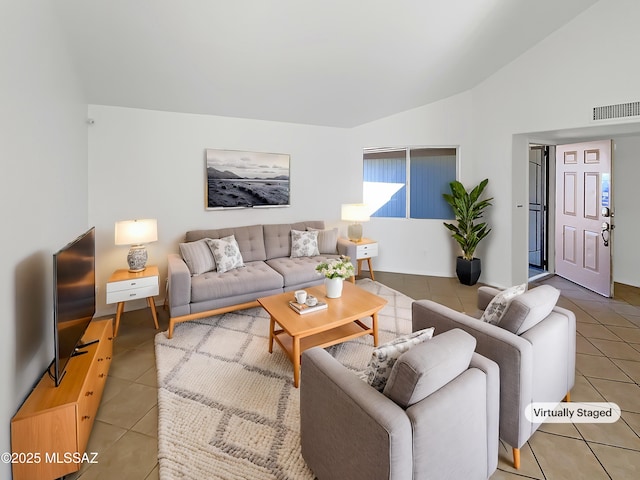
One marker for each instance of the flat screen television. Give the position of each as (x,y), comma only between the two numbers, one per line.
(74,298)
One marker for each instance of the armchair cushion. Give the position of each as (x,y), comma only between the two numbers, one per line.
(427,367)
(384,357)
(529,309)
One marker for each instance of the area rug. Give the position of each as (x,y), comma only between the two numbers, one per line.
(228,408)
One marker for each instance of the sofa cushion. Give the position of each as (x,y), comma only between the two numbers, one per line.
(198,257)
(427,367)
(299,270)
(226,253)
(384,356)
(327,240)
(250,240)
(499,304)
(304,244)
(254,277)
(529,309)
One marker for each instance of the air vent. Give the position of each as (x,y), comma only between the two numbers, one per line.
(621,110)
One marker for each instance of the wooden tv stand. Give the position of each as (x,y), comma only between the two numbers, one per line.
(49,434)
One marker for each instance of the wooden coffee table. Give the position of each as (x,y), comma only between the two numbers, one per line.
(340,322)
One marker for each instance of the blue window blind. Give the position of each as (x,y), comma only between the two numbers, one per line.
(428,176)
(388,167)
(431,171)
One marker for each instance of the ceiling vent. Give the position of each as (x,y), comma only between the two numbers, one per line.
(621,110)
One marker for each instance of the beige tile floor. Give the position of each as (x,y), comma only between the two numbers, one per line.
(607,369)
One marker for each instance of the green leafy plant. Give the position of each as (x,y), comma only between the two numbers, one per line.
(467,208)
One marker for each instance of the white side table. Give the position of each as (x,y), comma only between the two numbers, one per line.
(124,285)
(365,249)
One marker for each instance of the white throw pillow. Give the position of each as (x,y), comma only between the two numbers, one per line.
(384,357)
(304,244)
(499,304)
(226,252)
(198,257)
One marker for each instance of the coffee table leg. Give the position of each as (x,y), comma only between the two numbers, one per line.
(374,318)
(272,327)
(296,361)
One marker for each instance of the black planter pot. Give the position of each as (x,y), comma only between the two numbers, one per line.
(468,271)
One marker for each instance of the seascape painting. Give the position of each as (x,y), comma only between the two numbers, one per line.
(238,179)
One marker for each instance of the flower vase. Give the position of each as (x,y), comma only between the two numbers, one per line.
(333,287)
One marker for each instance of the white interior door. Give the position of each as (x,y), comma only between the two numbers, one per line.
(583,225)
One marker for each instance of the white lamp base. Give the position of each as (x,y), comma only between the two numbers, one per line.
(137,258)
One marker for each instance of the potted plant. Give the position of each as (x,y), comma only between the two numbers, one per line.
(335,271)
(467,208)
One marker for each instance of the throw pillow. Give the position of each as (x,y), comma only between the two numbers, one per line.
(198,257)
(529,309)
(498,305)
(327,240)
(429,366)
(304,244)
(384,357)
(226,253)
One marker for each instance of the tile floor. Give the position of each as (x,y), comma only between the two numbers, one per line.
(607,364)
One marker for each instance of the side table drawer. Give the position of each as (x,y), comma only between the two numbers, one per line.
(367,250)
(131,284)
(132,293)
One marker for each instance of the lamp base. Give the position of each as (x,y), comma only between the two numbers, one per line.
(137,258)
(354,232)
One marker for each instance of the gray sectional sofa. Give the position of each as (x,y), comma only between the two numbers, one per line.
(268,269)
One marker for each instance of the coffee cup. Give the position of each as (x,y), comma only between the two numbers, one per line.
(301,296)
(312,301)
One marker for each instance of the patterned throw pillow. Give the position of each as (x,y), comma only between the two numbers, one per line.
(304,244)
(384,357)
(226,253)
(198,257)
(499,304)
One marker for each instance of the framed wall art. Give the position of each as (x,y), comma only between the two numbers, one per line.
(238,179)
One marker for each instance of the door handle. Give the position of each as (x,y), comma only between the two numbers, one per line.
(605,229)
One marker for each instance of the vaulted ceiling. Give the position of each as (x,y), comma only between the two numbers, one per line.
(327,62)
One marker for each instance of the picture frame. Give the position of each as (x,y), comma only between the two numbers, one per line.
(242,179)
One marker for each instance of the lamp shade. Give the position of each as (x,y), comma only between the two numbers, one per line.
(136,232)
(355,212)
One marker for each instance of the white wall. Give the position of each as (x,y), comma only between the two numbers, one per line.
(150,164)
(408,245)
(551,87)
(43,150)
(626,172)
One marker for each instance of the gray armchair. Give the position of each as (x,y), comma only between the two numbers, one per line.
(536,358)
(437,417)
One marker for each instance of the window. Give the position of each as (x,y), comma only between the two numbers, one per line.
(409,182)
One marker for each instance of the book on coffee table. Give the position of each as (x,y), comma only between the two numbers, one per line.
(303,308)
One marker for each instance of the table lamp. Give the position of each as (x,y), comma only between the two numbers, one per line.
(356,213)
(136,233)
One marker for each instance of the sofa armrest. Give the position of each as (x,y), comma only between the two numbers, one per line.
(179,278)
(337,411)
(513,354)
(348,248)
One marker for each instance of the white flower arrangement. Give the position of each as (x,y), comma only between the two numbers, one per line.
(337,268)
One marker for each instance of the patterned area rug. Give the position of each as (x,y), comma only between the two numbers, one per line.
(228,409)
